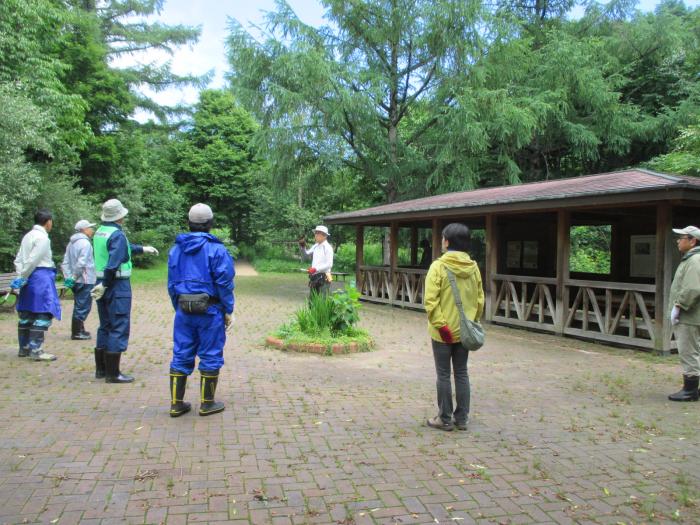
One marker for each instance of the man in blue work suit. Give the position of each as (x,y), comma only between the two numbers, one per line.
(113,290)
(200,285)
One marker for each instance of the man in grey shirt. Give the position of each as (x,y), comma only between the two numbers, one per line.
(79,275)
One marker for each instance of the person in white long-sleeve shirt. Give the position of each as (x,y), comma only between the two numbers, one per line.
(321,254)
(38,300)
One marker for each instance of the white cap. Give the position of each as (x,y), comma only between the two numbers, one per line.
(322,229)
(113,210)
(200,213)
(693,231)
(82,224)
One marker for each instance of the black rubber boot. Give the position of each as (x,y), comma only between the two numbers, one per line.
(208,388)
(99,363)
(112,373)
(178,382)
(76,329)
(23,338)
(84,333)
(689,391)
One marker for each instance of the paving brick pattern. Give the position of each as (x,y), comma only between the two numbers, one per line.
(561,431)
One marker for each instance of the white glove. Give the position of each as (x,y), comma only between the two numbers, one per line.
(675,314)
(150,250)
(98,291)
(228,321)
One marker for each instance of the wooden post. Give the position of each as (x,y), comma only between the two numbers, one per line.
(664,276)
(491,266)
(393,259)
(563,251)
(359,255)
(437,238)
(616,251)
(414,246)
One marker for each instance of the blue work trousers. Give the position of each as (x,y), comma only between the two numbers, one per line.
(82,301)
(114,310)
(200,335)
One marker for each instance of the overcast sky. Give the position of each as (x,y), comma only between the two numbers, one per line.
(212,16)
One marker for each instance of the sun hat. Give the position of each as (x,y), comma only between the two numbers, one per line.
(200,213)
(322,229)
(693,231)
(82,224)
(113,210)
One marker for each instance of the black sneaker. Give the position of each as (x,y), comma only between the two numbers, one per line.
(460,426)
(438,423)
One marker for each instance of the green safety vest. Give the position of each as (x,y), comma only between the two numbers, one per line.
(99,243)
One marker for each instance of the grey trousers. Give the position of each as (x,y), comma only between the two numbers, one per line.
(453,356)
(688,339)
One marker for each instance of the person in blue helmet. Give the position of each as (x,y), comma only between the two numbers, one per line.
(112,252)
(200,285)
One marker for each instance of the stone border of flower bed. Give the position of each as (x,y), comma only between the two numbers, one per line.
(318,348)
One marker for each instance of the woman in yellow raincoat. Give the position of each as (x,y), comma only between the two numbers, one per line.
(444,321)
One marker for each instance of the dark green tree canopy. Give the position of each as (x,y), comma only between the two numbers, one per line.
(216,160)
(421,96)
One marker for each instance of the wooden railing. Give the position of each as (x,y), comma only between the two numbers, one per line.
(525,301)
(604,311)
(611,312)
(403,286)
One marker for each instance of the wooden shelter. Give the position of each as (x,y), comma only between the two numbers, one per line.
(525,252)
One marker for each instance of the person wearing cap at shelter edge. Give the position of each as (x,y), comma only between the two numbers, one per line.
(200,285)
(113,290)
(321,260)
(685,311)
(79,275)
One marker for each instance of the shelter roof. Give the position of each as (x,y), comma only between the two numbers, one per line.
(620,187)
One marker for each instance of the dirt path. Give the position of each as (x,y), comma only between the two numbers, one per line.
(245,269)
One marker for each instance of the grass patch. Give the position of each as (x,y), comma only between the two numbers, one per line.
(291,333)
(276,265)
(158,273)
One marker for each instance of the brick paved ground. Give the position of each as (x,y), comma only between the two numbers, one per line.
(561,431)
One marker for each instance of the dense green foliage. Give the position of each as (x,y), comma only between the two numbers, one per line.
(590,249)
(423,96)
(390,99)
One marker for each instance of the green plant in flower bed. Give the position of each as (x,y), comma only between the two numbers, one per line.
(328,319)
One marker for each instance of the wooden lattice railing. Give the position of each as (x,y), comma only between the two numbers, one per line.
(613,312)
(403,286)
(524,301)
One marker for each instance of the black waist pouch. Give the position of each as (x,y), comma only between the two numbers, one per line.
(194,303)
(317,280)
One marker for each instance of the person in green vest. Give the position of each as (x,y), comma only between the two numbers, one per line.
(113,290)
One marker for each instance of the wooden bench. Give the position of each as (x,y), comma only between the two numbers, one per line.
(339,276)
(7,278)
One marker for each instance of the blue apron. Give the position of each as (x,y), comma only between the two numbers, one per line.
(39,295)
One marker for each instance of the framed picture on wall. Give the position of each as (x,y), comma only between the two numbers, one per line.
(530,254)
(513,252)
(642,255)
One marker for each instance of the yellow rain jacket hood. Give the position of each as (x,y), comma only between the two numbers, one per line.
(439,301)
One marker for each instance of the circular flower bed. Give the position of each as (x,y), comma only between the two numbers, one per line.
(325,325)
(320,348)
